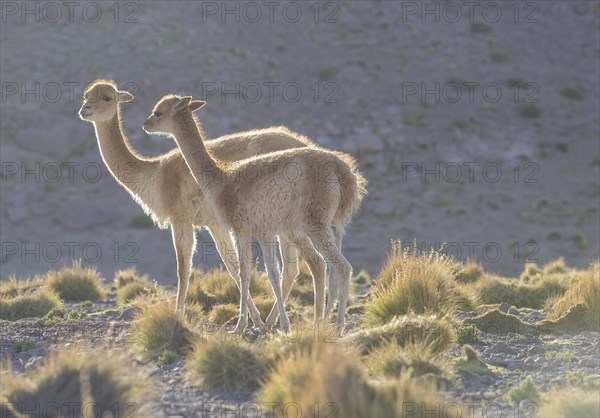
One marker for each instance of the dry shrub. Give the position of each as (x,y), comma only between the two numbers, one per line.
(76,283)
(579,307)
(412,282)
(228,364)
(159,329)
(571,403)
(426,330)
(69,380)
(321,380)
(36,303)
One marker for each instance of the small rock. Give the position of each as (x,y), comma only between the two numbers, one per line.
(128,313)
(536,349)
(513,311)
(504,307)
(514,365)
(590,362)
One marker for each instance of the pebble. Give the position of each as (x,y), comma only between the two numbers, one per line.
(504,307)
(513,311)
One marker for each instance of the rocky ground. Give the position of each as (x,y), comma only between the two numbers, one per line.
(544,205)
(510,357)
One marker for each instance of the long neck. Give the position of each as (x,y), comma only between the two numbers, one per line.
(188,135)
(127,167)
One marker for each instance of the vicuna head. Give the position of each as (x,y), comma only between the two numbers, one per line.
(167,111)
(101,99)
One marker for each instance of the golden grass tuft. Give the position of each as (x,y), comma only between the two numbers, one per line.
(227,364)
(393,360)
(29,303)
(427,330)
(321,379)
(223,314)
(419,283)
(158,330)
(76,379)
(571,403)
(581,301)
(495,290)
(217,287)
(127,276)
(76,283)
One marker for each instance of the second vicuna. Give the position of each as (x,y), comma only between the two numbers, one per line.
(299,195)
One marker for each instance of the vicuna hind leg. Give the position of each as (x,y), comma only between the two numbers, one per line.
(316,264)
(290,261)
(325,243)
(269,257)
(184,241)
(333,284)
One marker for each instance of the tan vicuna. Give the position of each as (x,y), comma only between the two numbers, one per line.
(294,192)
(166,190)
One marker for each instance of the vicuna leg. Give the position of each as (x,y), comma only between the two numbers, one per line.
(274,277)
(326,245)
(243,246)
(184,241)
(316,264)
(229,256)
(333,284)
(290,270)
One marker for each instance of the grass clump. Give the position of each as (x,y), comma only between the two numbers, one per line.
(223,314)
(127,276)
(579,307)
(392,360)
(526,390)
(330,381)
(411,282)
(227,364)
(480,27)
(217,287)
(530,111)
(564,355)
(470,363)
(571,403)
(76,283)
(36,303)
(468,334)
(327,73)
(62,314)
(158,330)
(577,378)
(23,345)
(435,333)
(469,273)
(74,379)
(495,290)
(571,93)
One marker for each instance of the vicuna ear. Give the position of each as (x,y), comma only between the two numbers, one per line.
(181,103)
(196,104)
(125,96)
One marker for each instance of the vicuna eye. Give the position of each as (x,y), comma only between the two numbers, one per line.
(106,98)
(157,114)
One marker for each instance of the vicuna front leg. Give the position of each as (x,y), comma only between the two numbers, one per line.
(243,246)
(184,241)
(230,259)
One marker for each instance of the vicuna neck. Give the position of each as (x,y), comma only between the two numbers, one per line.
(122,161)
(189,137)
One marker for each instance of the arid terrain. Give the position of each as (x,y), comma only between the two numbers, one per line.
(477,127)
(500,180)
